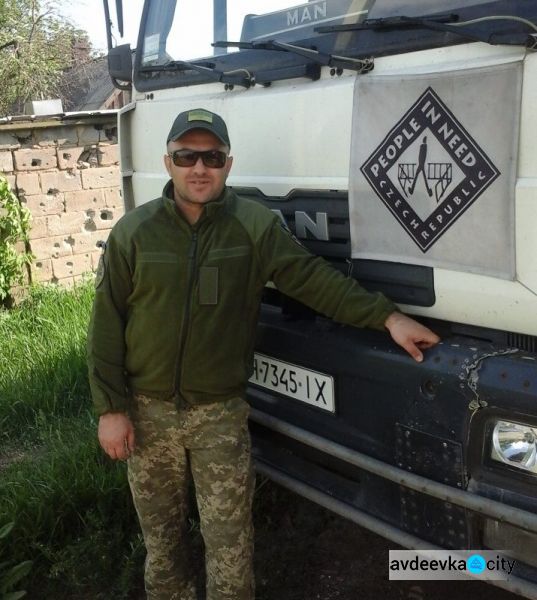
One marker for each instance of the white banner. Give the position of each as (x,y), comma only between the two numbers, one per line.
(433,169)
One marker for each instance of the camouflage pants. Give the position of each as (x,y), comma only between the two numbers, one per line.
(211,442)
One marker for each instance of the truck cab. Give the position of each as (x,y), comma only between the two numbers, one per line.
(396,139)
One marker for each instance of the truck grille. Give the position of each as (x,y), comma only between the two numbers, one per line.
(522,341)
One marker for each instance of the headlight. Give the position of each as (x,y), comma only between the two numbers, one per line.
(515,445)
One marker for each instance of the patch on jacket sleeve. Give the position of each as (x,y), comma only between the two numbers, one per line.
(101,268)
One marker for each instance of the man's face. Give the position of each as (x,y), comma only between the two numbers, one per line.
(195,186)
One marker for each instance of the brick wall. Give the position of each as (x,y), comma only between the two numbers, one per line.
(65,171)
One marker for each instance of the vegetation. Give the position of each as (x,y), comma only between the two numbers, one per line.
(43,375)
(35,48)
(14,229)
(71,507)
(11,574)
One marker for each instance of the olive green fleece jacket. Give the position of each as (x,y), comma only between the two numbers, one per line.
(176,305)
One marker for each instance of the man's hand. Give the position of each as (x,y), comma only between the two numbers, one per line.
(116,435)
(410,335)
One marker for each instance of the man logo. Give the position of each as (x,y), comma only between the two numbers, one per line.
(439,173)
(428,170)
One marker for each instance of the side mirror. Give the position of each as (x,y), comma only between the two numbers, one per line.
(120,66)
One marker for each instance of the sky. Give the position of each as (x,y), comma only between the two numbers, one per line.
(89,16)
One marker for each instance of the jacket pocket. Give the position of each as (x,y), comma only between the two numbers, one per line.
(224,276)
(208,282)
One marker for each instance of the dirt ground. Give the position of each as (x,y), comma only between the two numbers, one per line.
(305,552)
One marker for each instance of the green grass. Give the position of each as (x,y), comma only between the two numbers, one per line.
(42,358)
(72,511)
(71,506)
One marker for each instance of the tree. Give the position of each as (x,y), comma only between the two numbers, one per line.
(35,48)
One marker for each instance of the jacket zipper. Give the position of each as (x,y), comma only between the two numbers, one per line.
(186,315)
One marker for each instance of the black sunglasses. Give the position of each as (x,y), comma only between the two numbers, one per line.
(214,159)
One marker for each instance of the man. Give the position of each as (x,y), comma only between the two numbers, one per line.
(171,345)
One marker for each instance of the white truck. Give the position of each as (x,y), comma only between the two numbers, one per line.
(396,138)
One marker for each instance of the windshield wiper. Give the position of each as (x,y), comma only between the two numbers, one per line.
(396,22)
(237,77)
(321,58)
(444,23)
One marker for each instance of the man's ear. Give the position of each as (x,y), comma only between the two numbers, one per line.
(229,164)
(168,164)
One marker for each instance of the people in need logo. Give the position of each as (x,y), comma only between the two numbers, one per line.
(394,178)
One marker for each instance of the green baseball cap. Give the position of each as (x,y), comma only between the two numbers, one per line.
(199,118)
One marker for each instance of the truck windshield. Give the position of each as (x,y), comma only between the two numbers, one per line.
(184,30)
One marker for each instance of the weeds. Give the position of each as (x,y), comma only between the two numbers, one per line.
(14,229)
(73,512)
(71,506)
(10,574)
(43,359)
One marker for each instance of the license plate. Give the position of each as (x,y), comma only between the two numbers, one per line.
(293,381)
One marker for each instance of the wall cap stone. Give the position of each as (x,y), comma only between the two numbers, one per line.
(69,119)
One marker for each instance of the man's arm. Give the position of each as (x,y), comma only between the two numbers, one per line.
(106,351)
(410,335)
(313,281)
